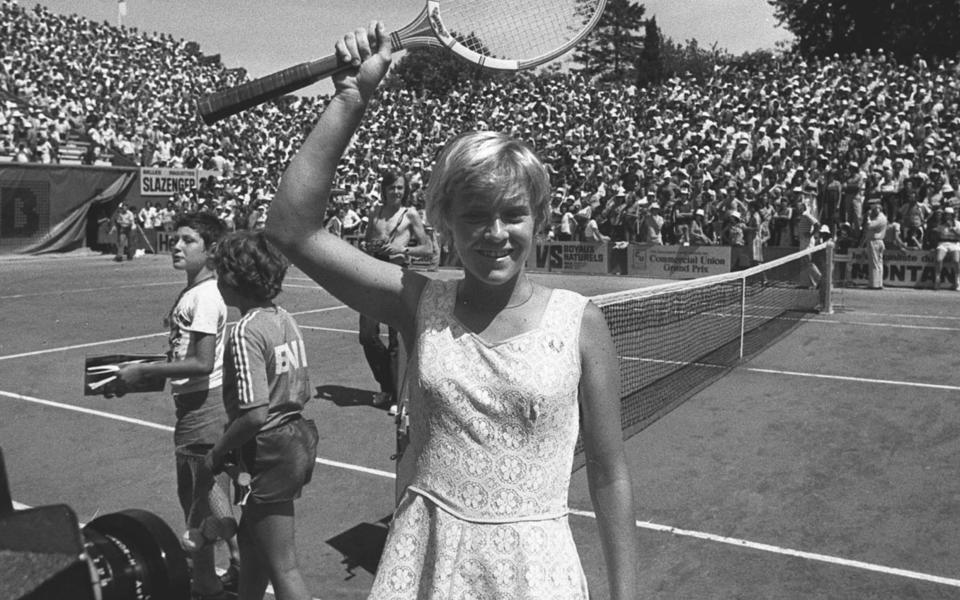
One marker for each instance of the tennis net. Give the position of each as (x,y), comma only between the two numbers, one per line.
(673,340)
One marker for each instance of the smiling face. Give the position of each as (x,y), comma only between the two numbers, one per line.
(189,251)
(493,237)
(394,191)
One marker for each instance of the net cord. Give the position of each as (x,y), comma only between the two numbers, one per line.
(827,248)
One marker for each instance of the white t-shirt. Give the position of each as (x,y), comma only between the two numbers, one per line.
(200,309)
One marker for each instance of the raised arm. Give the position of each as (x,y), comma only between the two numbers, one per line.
(607,472)
(375,288)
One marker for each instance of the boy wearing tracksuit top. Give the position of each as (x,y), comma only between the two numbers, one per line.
(265,389)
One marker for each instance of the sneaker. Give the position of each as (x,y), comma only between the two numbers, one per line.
(231,577)
(192,540)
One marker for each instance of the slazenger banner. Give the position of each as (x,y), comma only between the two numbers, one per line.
(901,268)
(677,262)
(161,181)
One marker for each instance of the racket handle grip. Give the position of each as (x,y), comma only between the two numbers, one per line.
(221,105)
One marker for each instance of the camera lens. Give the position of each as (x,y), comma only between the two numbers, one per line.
(135,555)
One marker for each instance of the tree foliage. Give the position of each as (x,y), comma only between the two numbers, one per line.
(613,50)
(904,27)
(650,64)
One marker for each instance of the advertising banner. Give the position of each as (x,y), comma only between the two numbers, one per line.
(161,181)
(572,257)
(677,262)
(901,268)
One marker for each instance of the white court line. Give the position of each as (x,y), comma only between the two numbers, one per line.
(305,287)
(931,386)
(582,513)
(139,337)
(330,329)
(893,325)
(169,429)
(83,290)
(905,316)
(78,346)
(835,560)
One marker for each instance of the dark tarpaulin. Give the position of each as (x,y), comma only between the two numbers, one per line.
(70,233)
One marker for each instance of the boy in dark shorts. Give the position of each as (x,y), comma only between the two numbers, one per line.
(265,389)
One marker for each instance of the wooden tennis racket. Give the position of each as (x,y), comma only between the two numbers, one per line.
(506,35)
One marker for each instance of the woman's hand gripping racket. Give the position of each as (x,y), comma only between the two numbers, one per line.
(507,35)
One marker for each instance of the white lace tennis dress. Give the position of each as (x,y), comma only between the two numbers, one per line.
(493,429)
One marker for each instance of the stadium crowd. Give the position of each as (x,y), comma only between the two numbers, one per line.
(766,156)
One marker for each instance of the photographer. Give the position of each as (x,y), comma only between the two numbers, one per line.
(392,226)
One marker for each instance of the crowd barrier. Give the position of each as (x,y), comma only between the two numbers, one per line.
(637,260)
(901,268)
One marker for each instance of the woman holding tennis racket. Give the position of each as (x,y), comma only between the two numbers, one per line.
(501,368)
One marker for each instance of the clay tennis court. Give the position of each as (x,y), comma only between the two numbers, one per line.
(824,467)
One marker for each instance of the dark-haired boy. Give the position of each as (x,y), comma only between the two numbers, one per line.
(196,322)
(265,389)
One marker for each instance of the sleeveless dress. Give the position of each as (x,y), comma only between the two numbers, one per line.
(492,434)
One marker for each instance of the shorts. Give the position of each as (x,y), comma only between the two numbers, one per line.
(201,417)
(280,460)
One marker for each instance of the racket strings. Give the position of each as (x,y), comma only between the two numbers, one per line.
(518,30)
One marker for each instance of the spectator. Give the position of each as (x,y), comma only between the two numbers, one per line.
(735,237)
(651,228)
(947,236)
(123,222)
(698,232)
(394,234)
(874,232)
(568,223)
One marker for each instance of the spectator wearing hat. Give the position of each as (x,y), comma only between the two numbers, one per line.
(807,227)
(947,236)
(753,230)
(698,229)
(824,234)
(831,192)
(734,236)
(591,232)
(651,228)
(780,233)
(851,200)
(874,232)
(913,216)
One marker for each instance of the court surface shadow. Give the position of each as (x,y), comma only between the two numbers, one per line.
(345,396)
(361,545)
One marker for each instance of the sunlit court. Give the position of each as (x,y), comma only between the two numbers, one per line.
(822,466)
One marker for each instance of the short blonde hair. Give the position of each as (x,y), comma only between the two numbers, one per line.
(491,164)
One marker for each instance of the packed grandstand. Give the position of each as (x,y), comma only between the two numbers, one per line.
(674,163)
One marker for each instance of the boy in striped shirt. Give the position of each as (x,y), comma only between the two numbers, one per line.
(265,389)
